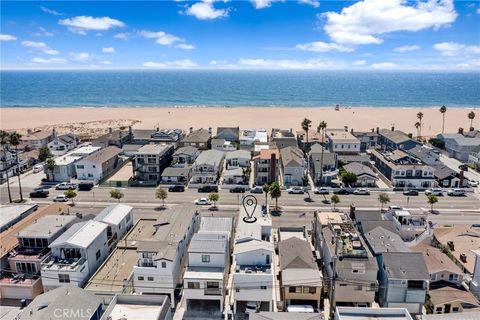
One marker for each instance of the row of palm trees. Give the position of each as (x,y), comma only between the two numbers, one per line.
(12,139)
(418,125)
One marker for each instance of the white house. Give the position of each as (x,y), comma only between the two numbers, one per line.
(458,145)
(249,136)
(62,144)
(238,158)
(161,259)
(119,218)
(98,165)
(75,255)
(474,158)
(207,167)
(292,166)
(342,141)
(223,145)
(64,169)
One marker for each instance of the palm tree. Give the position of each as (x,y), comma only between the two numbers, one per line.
(443,109)
(471,116)
(15,141)
(266,189)
(306,123)
(50,164)
(418,125)
(383,198)
(420,117)
(275,192)
(322,126)
(4,137)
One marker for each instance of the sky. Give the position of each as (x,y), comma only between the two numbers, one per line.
(257,34)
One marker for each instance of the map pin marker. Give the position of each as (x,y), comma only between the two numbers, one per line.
(249,204)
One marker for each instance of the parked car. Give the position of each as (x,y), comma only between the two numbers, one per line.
(463,167)
(362,192)
(321,191)
(252,307)
(66,186)
(472,183)
(176,188)
(256,189)
(300,308)
(410,192)
(341,191)
(295,190)
(395,207)
(85,186)
(434,191)
(39,193)
(237,190)
(208,189)
(60,198)
(37,168)
(456,192)
(202,201)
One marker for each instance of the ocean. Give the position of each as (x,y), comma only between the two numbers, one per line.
(145,88)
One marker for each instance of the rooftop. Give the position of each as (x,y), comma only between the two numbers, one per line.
(358,313)
(12,213)
(216,224)
(461,139)
(263,315)
(470,315)
(341,136)
(37,135)
(81,234)
(382,240)
(405,265)
(242,154)
(46,226)
(199,135)
(292,156)
(396,136)
(266,154)
(295,253)
(210,157)
(188,150)
(359,169)
(176,172)
(153,149)
(114,214)
(435,259)
(449,294)
(208,243)
(103,155)
(144,307)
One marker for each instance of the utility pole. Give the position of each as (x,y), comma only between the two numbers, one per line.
(334,271)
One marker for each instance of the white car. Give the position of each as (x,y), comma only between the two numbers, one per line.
(60,198)
(256,189)
(66,186)
(362,191)
(203,201)
(456,192)
(434,191)
(321,191)
(295,190)
(472,183)
(395,207)
(252,307)
(37,168)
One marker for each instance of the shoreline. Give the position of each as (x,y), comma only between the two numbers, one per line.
(193,106)
(97,120)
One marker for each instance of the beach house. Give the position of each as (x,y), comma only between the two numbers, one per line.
(395,139)
(185,156)
(99,164)
(62,144)
(231,134)
(365,176)
(207,167)
(266,166)
(149,162)
(293,166)
(283,138)
(248,137)
(199,139)
(323,165)
(157,136)
(65,168)
(341,141)
(459,146)
(38,138)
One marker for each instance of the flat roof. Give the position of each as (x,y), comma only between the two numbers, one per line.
(81,234)
(357,313)
(155,149)
(114,214)
(206,273)
(134,311)
(216,224)
(46,226)
(10,213)
(341,136)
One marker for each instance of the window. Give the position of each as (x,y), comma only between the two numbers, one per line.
(455,309)
(140,278)
(63,278)
(164,264)
(263,287)
(298,289)
(93,166)
(453,277)
(90,175)
(311,290)
(433,276)
(26,267)
(150,278)
(291,289)
(211,284)
(80,166)
(357,288)
(97,255)
(194,285)
(438,309)
(205,258)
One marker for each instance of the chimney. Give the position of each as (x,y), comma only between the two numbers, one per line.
(378,130)
(345,128)
(463,258)
(291,130)
(393,128)
(451,246)
(54,133)
(410,135)
(471,129)
(110,130)
(210,130)
(191,129)
(351,131)
(158,129)
(130,130)
(460,130)
(462,178)
(273,166)
(373,129)
(29,131)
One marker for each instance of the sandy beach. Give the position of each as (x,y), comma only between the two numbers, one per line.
(89,122)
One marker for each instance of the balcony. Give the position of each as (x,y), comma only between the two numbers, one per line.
(249,269)
(26,280)
(66,264)
(37,254)
(212,292)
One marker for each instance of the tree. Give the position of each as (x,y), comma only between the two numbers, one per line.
(420,117)
(349,178)
(471,116)
(214,197)
(44,153)
(70,194)
(15,141)
(50,164)
(322,126)
(432,199)
(306,123)
(246,174)
(335,200)
(275,192)
(418,126)
(443,109)
(162,194)
(116,194)
(383,198)
(4,137)
(266,190)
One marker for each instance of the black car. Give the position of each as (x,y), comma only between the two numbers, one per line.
(341,191)
(237,190)
(176,188)
(208,189)
(85,186)
(463,167)
(39,193)
(411,192)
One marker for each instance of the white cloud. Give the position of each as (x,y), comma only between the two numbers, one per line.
(313,3)
(289,64)
(320,46)
(384,66)
(42,33)
(81,24)
(7,37)
(108,50)
(50,11)
(406,49)
(106,62)
(364,21)
(41,46)
(47,61)
(478,11)
(122,35)
(359,62)
(455,49)
(177,64)
(80,56)
(205,10)
(166,39)
(262,4)
(185,46)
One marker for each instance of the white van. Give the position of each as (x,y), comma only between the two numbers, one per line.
(37,168)
(300,308)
